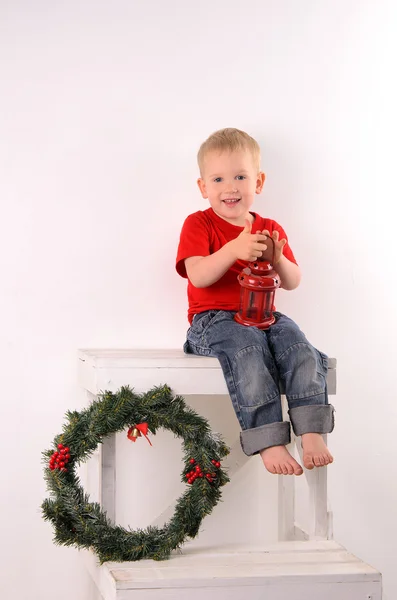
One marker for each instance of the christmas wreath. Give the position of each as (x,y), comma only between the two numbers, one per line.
(81,523)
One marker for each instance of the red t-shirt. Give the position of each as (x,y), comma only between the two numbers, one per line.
(204,233)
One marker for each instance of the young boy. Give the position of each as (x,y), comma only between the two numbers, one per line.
(215,245)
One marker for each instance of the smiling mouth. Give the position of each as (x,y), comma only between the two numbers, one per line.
(231,200)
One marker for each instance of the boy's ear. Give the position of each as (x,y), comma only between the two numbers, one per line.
(203,189)
(260,180)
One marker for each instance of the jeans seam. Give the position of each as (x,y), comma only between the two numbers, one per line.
(237,406)
(279,358)
(255,406)
(265,350)
(304,395)
(261,349)
(201,349)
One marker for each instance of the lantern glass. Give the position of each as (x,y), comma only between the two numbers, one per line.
(255,305)
(258,283)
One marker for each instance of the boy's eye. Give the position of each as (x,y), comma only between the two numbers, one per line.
(240,177)
(218,179)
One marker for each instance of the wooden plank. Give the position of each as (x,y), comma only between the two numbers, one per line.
(105,357)
(186,374)
(186,382)
(302,591)
(243,568)
(299,570)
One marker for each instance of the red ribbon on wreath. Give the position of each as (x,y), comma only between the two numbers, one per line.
(136,431)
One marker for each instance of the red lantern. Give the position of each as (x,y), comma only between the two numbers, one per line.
(259,282)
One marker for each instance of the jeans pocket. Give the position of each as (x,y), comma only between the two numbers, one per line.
(202,320)
(197,333)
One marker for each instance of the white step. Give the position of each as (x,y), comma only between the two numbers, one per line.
(189,375)
(186,374)
(316,569)
(321,570)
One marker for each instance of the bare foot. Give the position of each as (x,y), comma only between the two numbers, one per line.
(278,460)
(315,452)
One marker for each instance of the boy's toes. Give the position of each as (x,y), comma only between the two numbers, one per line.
(278,460)
(298,470)
(290,469)
(319,460)
(315,452)
(308,462)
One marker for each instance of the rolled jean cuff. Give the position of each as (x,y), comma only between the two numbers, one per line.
(318,418)
(265,436)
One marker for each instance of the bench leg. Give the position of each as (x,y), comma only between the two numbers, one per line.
(107,477)
(320,520)
(320,525)
(286,508)
(286,497)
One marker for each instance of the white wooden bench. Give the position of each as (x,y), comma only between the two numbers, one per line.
(189,375)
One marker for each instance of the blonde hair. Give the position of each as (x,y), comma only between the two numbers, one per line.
(229,139)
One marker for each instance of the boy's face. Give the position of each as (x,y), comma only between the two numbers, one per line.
(230,181)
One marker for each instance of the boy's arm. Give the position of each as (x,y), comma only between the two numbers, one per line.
(289,272)
(203,271)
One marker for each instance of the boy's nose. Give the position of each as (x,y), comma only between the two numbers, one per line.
(231,186)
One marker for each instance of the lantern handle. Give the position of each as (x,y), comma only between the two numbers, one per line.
(274,252)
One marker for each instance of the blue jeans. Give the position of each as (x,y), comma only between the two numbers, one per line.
(255,364)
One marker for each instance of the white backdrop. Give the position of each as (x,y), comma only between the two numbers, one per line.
(102,108)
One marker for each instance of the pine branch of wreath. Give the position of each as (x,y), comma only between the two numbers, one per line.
(81,523)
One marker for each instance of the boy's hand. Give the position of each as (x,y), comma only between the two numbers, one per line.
(249,246)
(278,247)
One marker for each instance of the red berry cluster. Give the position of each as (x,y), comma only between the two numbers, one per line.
(191,476)
(60,459)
